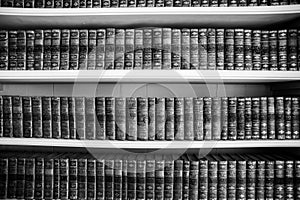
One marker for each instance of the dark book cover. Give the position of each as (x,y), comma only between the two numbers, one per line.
(229,49)
(248,118)
(178,170)
(297,179)
(65,49)
(100,114)
(20,187)
(7,3)
(67,3)
(119,49)
(151,118)
(159,179)
(186,3)
(150,3)
(157,48)
(279,118)
(198,118)
(203,179)
(260,179)
(169,125)
(224,118)
(159,3)
(131,3)
(4,50)
(248,49)
(96,4)
(82,3)
(55,49)
(211,45)
(91,179)
(92,45)
(73,174)
(124,179)
(289,179)
(138,48)
(46,3)
(265,50)
(27,116)
(204,3)
(7,116)
(140,3)
(39,178)
(105,4)
(179,118)
(176,49)
(110,118)
(256,49)
(100,179)
(74,49)
(142,118)
(141,179)
(185,48)
(239,49)
(194,49)
(83,48)
(207,118)
(129,49)
(12,178)
(12,50)
(288,117)
(251,179)
(56,117)
(82,178)
(56,179)
(114,3)
(90,118)
(29,178)
(168,179)
(279,184)
(80,117)
(160,118)
(220,51)
(64,112)
(64,178)
(166,48)
(100,48)
(28,3)
(186,179)
(271,118)
(18,4)
(118,179)
(150,179)
(120,113)
(72,118)
(295,118)
(269,176)
(263,118)
(241,179)
(212,179)
(195,3)
(46,117)
(177,3)
(255,117)
(194,179)
(17,116)
(213,3)
(21,50)
(1,116)
(202,41)
(222,179)
(231,179)
(36,116)
(292,50)
(131,179)
(188,119)
(240,113)
(282,50)
(147,48)
(273,46)
(232,118)
(223,3)
(216,118)
(4,177)
(123,3)
(38,49)
(131,117)
(47,49)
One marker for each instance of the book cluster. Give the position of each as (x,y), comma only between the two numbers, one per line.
(179,118)
(150,48)
(140,3)
(219,176)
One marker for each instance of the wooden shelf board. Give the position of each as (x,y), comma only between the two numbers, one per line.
(138,76)
(257,16)
(113,144)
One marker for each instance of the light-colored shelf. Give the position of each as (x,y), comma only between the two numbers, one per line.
(155,76)
(257,16)
(113,144)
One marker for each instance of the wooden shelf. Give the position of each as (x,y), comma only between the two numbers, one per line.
(247,17)
(155,76)
(113,144)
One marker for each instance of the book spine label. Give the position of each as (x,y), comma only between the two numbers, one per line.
(141,179)
(222,179)
(46,117)
(131,116)
(159,3)
(279,118)
(147,47)
(29,178)
(289,180)
(37,117)
(207,118)
(47,50)
(248,118)
(27,116)
(45,4)
(169,179)
(231,179)
(12,50)
(169,119)
(110,118)
(194,49)
(260,179)
(4,177)
(39,178)
(82,178)
(265,62)
(279,183)
(240,113)
(142,118)
(216,118)
(120,49)
(65,49)
(110,48)
(56,117)
(273,45)
(160,119)
(73,173)
(185,48)
(159,179)
(64,178)
(211,49)
(28,4)
(220,49)
(150,179)
(224,118)
(120,113)
(202,48)
(72,118)
(263,118)
(91,179)
(188,119)
(239,49)
(3,50)
(17,116)
(282,50)
(178,170)
(151,118)
(176,49)
(271,118)
(212,180)
(83,49)
(92,45)
(100,49)
(292,50)
(131,179)
(21,50)
(80,117)
(138,48)
(90,118)
(179,118)
(248,49)
(118,179)
(64,109)
(255,118)
(256,49)
(241,180)
(157,48)
(194,180)
(100,114)
(150,3)
(132,3)
(198,118)
(20,178)
(203,179)
(55,48)
(288,117)
(295,118)
(232,118)
(229,49)
(129,49)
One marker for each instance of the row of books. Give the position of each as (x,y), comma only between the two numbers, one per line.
(226,176)
(140,3)
(199,118)
(150,48)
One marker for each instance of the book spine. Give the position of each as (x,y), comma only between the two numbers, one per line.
(248,49)
(159,179)
(100,114)
(241,180)
(73,173)
(44,4)
(282,50)
(273,45)
(142,118)
(212,180)
(83,49)
(207,118)
(260,180)
(213,3)
(114,3)
(223,3)
(239,49)
(131,117)
(100,180)
(46,117)
(131,179)
(186,179)
(49,167)
(248,118)
(255,118)
(198,118)
(194,49)
(160,118)
(124,179)
(297,179)
(271,118)
(150,179)
(4,50)
(140,3)
(18,4)
(177,3)
(151,118)
(150,3)
(117,179)
(224,118)
(203,55)
(204,3)
(265,49)
(222,179)
(211,48)
(100,48)
(232,118)
(119,49)
(194,180)
(220,51)
(7,116)
(17,116)
(72,117)
(187,3)
(216,118)
(120,112)
(91,179)
(157,48)
(256,49)
(298,49)
(159,3)
(169,179)
(141,179)
(92,45)
(231,179)
(147,47)
(279,118)
(279,180)
(203,179)
(64,178)
(105,4)
(4,177)
(195,3)
(251,179)
(263,118)
(110,118)
(74,49)
(188,119)
(56,117)
(27,116)
(178,170)
(12,50)
(288,117)
(240,109)
(67,3)
(56,179)
(80,117)
(129,48)
(289,180)
(65,49)
(138,48)
(132,3)
(169,125)
(185,48)
(37,116)
(47,50)
(55,48)
(21,50)
(292,50)
(1,116)
(295,118)
(179,118)
(176,49)
(28,4)
(229,49)
(39,178)
(29,178)
(270,176)
(20,178)
(64,109)
(12,178)
(82,178)
(90,118)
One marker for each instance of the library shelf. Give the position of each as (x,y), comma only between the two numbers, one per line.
(154,76)
(246,17)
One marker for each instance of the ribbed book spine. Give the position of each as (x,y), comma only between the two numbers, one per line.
(1,117)
(12,50)
(186,179)
(124,179)
(7,117)
(131,179)
(229,49)
(56,117)
(248,49)
(91,179)
(256,49)
(118,179)
(203,179)
(239,49)
(138,48)
(160,118)
(194,180)
(240,112)
(211,48)
(129,49)
(194,49)
(202,48)
(198,118)
(169,179)
(157,47)
(37,117)
(260,179)
(297,179)
(92,45)
(232,118)
(83,49)
(74,49)
(150,179)
(169,132)
(80,117)
(166,48)
(220,49)
(179,118)
(142,118)
(216,118)
(248,118)
(55,48)
(273,43)
(178,170)
(73,173)
(120,113)
(241,180)
(17,116)
(185,48)
(151,118)
(231,179)
(141,179)
(110,48)
(64,178)
(282,50)
(39,178)
(56,179)
(279,184)
(295,118)
(21,50)
(159,179)
(265,61)
(4,177)
(110,118)
(255,118)
(212,179)
(279,118)
(224,118)
(222,179)
(188,119)
(20,178)
(65,49)
(119,49)
(270,176)
(100,49)
(4,50)
(46,117)
(131,117)
(29,178)
(49,178)
(289,180)
(47,49)
(82,179)
(90,118)
(176,49)
(64,109)
(100,115)
(12,178)
(147,48)
(207,118)
(251,179)
(288,117)
(72,117)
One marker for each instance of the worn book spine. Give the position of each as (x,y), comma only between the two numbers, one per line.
(288,117)
(282,50)
(100,49)
(142,118)
(82,178)
(279,118)
(248,118)
(177,3)
(64,178)
(28,4)
(141,179)
(212,179)
(56,117)
(120,115)
(138,48)
(73,173)
(132,3)
(168,3)
(80,117)
(270,176)
(45,4)
(241,179)
(186,179)
(273,50)
(248,49)
(298,49)
(203,179)
(83,49)
(179,118)
(263,118)
(4,50)
(195,3)
(159,179)
(110,118)
(188,119)
(131,118)
(91,179)
(279,183)
(140,3)
(289,179)
(176,49)
(204,3)
(220,49)
(67,3)
(27,116)
(105,3)
(265,61)
(1,117)
(151,118)
(216,118)
(110,48)
(178,170)
(64,109)
(56,179)
(124,179)
(65,49)
(119,49)
(117,179)
(47,49)
(150,179)
(92,45)
(90,118)
(207,118)
(46,117)
(292,50)
(297,179)
(168,179)
(271,118)
(240,113)
(251,179)
(72,117)
(74,49)
(20,178)
(21,50)
(222,179)
(202,48)
(211,48)
(198,118)
(194,179)
(229,49)
(295,118)
(7,116)
(12,50)
(194,49)
(232,118)
(131,179)
(160,118)
(17,116)
(100,179)
(39,178)
(147,48)
(157,48)
(36,117)
(260,179)
(185,48)
(129,49)
(224,118)
(114,3)
(29,178)
(100,118)
(231,179)
(4,177)
(239,49)
(256,49)
(255,118)
(12,178)
(169,125)
(55,48)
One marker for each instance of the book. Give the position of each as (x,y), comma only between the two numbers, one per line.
(141,179)
(198,118)
(157,47)
(211,48)
(131,179)
(56,178)
(224,118)
(29,178)
(229,49)
(207,118)
(27,116)
(216,118)
(279,118)
(151,118)
(90,118)
(288,180)
(4,50)
(288,117)
(124,179)
(73,174)
(119,49)
(255,118)
(256,49)
(271,118)
(117,179)
(100,49)
(21,50)
(138,48)
(91,179)
(150,179)
(110,118)
(168,179)
(64,109)
(292,50)
(17,116)
(160,119)
(265,62)
(248,118)
(120,113)
(263,118)
(176,49)
(12,50)
(92,45)
(232,118)
(129,49)
(212,179)
(64,178)
(37,130)
(82,178)
(166,48)
(282,50)
(222,178)
(46,117)
(194,179)
(185,48)
(55,47)
(80,117)
(65,49)
(273,47)
(179,118)
(240,113)
(4,177)
(47,49)
(101,118)
(159,179)
(203,179)
(39,178)
(188,119)
(248,49)
(72,117)
(83,49)
(220,49)
(131,118)
(203,55)
(194,49)
(147,48)
(169,114)
(279,183)
(56,117)
(74,49)
(239,49)
(295,118)
(142,118)
(178,173)
(12,178)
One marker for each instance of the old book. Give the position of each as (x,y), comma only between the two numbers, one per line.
(150,179)
(194,178)
(80,117)
(241,179)
(141,179)
(37,116)
(117,179)
(263,118)
(28,3)
(124,178)
(273,45)
(169,113)
(202,41)
(100,118)
(100,179)
(131,179)
(195,3)
(4,177)
(265,49)
(176,49)
(46,3)
(74,49)
(4,50)
(177,3)
(157,47)
(216,118)
(279,183)
(271,118)
(7,116)
(232,118)
(100,49)
(39,178)
(248,118)
(105,4)
(279,118)
(90,118)
(297,179)
(186,178)
(185,48)
(179,118)
(12,178)
(55,48)
(92,45)
(138,48)
(159,179)
(47,49)
(38,49)
(56,178)
(295,118)
(220,49)
(21,50)
(64,112)
(83,3)
(231,177)
(150,3)
(289,179)
(240,113)
(229,49)
(194,49)
(288,117)
(282,50)
(151,118)
(251,178)
(91,179)
(72,117)
(207,118)
(142,118)
(29,178)
(82,178)
(239,49)
(166,48)
(222,178)
(73,174)
(188,119)
(12,50)
(27,117)
(198,118)
(20,178)
(212,179)
(256,49)
(178,170)
(65,49)
(269,179)
(203,179)
(292,50)
(67,3)
(17,116)
(64,178)
(1,116)
(260,179)
(119,48)
(120,113)
(129,49)
(147,48)
(132,3)
(298,57)
(160,118)
(47,117)
(131,118)
(168,179)
(18,4)
(224,118)
(110,118)
(56,117)
(255,118)
(248,49)
(83,49)
(211,49)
